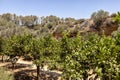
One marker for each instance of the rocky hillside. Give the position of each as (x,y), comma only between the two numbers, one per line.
(11,24)
(108,26)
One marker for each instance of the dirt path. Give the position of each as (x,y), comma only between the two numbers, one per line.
(27,69)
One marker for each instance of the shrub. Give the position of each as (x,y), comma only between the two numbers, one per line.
(117,17)
(98,17)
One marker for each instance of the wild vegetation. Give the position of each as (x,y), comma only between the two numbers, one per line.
(91,56)
(11,24)
(4,75)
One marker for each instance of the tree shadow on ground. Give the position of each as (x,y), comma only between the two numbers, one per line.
(31,75)
(25,75)
(48,75)
(25,72)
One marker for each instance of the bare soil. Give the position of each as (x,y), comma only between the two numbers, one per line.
(25,70)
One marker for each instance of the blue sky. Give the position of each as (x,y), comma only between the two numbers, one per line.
(60,8)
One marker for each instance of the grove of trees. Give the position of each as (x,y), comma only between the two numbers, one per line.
(78,57)
(75,56)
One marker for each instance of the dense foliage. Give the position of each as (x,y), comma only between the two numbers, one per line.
(75,56)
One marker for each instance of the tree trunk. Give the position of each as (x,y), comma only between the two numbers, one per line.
(13,66)
(38,72)
(2,58)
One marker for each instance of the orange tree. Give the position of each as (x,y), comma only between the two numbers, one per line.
(37,53)
(97,53)
(17,46)
(42,51)
(103,56)
(71,57)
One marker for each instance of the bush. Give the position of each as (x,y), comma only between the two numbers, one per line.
(61,28)
(117,17)
(98,17)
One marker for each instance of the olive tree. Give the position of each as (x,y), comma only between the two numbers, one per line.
(99,17)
